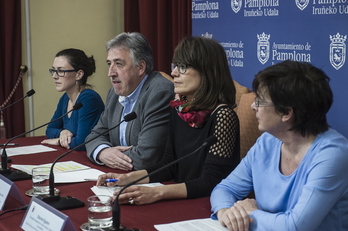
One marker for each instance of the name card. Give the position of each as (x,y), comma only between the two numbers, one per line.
(41,216)
(7,187)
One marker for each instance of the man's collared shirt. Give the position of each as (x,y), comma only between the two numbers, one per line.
(128,103)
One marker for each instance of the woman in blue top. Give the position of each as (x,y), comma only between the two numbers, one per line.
(70,70)
(298,167)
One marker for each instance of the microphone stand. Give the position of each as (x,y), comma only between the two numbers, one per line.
(29,93)
(18,175)
(116,212)
(68,202)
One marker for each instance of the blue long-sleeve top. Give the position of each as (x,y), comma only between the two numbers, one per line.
(313,197)
(80,122)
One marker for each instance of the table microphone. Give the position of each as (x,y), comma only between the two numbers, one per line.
(29,93)
(116,209)
(18,175)
(68,202)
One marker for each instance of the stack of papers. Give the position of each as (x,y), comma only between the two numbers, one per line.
(31,149)
(205,224)
(65,172)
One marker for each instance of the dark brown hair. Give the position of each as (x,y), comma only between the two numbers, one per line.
(208,57)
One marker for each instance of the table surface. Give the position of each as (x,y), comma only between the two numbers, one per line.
(142,217)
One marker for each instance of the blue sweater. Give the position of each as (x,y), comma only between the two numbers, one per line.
(81,121)
(313,197)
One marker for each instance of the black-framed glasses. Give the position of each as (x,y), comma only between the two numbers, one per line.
(181,67)
(60,73)
(260,103)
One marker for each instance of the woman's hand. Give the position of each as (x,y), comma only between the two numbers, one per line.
(102,179)
(139,195)
(65,138)
(237,217)
(122,179)
(51,141)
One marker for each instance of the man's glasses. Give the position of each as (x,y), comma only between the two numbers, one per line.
(181,67)
(260,103)
(60,73)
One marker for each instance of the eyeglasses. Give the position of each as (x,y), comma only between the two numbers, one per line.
(260,103)
(60,73)
(181,67)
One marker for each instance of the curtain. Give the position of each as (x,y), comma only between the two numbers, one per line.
(163,22)
(10,62)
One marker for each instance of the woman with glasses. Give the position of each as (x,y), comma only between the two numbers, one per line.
(70,70)
(298,167)
(202,108)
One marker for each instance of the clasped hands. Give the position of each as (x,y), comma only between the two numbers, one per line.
(237,217)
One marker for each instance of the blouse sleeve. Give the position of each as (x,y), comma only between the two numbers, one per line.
(87,118)
(222,157)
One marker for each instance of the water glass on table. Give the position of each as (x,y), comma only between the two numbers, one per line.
(99,212)
(41,180)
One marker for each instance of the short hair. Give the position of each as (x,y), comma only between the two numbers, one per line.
(138,46)
(79,61)
(302,87)
(209,58)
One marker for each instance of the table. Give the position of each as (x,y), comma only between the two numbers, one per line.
(142,217)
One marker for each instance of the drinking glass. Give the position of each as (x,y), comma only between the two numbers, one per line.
(41,180)
(99,212)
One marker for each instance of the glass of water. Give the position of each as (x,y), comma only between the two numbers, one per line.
(41,180)
(99,212)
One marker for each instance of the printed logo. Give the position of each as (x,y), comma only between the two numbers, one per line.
(302,4)
(263,47)
(236,5)
(337,50)
(207,35)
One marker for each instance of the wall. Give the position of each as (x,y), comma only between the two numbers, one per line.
(56,25)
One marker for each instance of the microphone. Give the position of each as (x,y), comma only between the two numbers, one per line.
(68,202)
(29,93)
(116,209)
(18,175)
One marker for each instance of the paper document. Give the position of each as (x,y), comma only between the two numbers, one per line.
(31,149)
(205,224)
(65,166)
(65,172)
(77,176)
(109,191)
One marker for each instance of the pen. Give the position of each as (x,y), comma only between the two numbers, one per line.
(107,180)
(9,144)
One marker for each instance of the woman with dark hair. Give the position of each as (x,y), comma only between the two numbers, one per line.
(70,70)
(203,107)
(298,167)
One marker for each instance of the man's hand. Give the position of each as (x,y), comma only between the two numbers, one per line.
(115,158)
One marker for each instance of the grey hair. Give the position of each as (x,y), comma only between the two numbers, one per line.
(138,45)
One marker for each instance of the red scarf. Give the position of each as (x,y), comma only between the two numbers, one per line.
(195,119)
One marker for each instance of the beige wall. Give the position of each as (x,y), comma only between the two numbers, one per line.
(56,25)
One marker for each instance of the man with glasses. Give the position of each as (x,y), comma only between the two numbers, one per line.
(139,143)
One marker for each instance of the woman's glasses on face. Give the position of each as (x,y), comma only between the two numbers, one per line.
(181,67)
(60,73)
(260,103)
